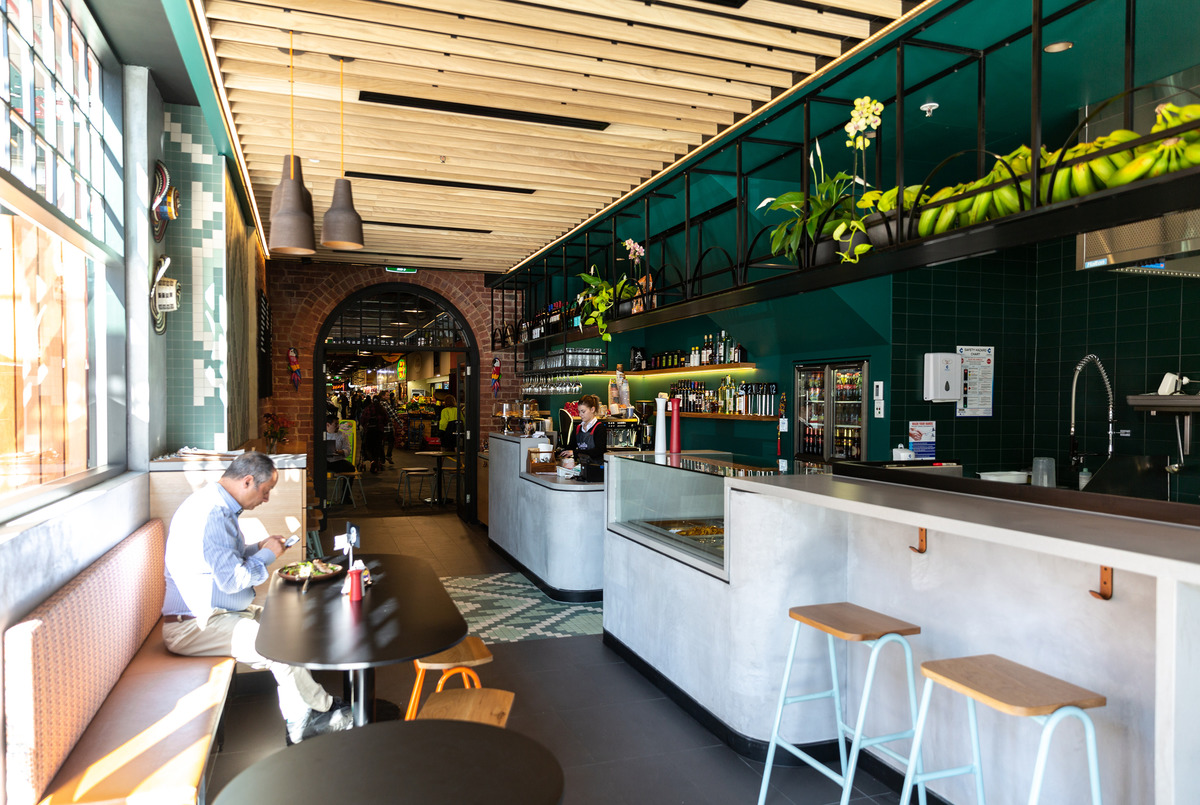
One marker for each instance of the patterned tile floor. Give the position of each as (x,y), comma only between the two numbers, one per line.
(508,608)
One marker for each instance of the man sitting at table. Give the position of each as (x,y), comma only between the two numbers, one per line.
(210,575)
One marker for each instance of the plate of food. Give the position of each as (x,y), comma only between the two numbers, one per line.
(314,570)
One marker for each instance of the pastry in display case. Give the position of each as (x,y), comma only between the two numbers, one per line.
(674,503)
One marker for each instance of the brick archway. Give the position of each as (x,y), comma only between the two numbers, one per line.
(304,295)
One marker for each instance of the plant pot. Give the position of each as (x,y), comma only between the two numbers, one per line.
(857,238)
(825,251)
(883,228)
(625,308)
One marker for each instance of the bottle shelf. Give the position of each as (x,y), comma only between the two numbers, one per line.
(691,370)
(731,417)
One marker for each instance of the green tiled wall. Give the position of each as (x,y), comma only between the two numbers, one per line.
(1043,317)
(1139,327)
(986,301)
(195,242)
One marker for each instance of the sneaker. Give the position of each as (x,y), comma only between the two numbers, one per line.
(335,719)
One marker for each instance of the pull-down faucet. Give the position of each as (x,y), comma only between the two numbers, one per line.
(1076,456)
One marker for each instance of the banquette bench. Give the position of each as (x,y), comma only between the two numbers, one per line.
(96,710)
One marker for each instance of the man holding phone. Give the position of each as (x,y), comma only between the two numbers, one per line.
(210,576)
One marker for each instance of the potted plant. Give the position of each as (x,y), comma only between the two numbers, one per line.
(828,209)
(599,297)
(275,429)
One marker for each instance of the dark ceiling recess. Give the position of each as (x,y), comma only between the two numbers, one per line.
(429,226)
(387,177)
(725,3)
(481,111)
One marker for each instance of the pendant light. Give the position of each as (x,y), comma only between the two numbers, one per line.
(291,203)
(342,227)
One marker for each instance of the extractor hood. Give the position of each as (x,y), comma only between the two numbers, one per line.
(1165,246)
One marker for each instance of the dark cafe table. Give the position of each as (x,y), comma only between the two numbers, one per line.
(405,614)
(425,762)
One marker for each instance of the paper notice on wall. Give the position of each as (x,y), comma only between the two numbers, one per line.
(922,439)
(978,381)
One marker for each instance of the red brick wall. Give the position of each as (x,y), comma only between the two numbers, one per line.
(304,295)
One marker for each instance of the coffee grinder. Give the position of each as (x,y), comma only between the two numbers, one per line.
(645,413)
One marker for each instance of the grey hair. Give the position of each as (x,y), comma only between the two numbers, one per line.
(253,463)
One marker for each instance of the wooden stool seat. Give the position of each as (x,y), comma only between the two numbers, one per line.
(469,653)
(1008,686)
(484,705)
(851,622)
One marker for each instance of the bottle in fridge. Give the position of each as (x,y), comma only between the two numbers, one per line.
(830,411)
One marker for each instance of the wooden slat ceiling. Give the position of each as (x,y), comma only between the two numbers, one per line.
(631,85)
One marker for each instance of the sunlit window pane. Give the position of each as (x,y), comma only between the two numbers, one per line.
(43,357)
(43,179)
(43,100)
(21,149)
(97,149)
(20,14)
(43,37)
(65,183)
(64,130)
(62,43)
(20,75)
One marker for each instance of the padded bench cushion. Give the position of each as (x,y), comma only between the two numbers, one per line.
(61,661)
(150,741)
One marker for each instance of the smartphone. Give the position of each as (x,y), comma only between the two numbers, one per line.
(292,540)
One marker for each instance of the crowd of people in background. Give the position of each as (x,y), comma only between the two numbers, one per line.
(378,418)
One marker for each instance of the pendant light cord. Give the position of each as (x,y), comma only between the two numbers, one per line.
(341,113)
(291,107)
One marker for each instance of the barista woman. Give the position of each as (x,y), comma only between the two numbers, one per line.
(589,440)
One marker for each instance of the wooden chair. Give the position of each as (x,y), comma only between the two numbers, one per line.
(459,659)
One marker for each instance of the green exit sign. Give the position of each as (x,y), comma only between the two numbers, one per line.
(400,270)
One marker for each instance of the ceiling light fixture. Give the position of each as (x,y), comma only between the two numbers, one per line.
(291,203)
(1058,47)
(928,108)
(342,227)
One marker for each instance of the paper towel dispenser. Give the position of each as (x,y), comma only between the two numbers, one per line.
(943,376)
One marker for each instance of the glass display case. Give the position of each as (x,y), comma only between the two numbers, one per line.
(675,503)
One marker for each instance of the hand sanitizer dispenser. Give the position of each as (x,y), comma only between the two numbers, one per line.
(943,377)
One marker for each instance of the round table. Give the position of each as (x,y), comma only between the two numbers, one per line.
(426,762)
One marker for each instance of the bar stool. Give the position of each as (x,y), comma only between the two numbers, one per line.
(855,624)
(1010,688)
(405,481)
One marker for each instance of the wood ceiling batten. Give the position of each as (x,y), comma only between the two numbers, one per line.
(662,77)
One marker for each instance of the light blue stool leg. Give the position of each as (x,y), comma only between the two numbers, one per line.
(836,692)
(975,753)
(787,674)
(1049,723)
(914,759)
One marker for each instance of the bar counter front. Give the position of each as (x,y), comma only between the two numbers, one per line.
(550,527)
(997,577)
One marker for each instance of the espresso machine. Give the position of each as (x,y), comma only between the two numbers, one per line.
(646,414)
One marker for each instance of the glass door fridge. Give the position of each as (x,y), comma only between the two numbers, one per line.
(831,411)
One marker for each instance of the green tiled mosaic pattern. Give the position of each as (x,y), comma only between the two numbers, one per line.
(507,608)
(195,242)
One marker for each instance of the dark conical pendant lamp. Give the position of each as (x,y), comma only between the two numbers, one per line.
(342,227)
(291,203)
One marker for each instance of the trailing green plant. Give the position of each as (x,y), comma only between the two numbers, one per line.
(599,297)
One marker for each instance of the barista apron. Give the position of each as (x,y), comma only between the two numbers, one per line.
(586,439)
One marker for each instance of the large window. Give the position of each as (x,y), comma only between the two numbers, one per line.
(51,95)
(44,356)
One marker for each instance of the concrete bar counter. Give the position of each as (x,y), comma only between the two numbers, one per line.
(552,528)
(998,576)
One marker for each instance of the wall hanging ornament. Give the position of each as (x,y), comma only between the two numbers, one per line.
(294,365)
(164,294)
(164,204)
(495,377)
